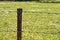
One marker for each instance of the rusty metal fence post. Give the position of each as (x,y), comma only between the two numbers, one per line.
(19,24)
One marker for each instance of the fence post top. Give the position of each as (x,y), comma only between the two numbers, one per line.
(19,9)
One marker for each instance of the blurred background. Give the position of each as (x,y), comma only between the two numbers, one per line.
(43,1)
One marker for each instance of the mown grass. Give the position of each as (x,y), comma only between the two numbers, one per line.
(8,23)
(41,26)
(35,26)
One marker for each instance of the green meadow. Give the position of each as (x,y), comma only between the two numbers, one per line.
(35,25)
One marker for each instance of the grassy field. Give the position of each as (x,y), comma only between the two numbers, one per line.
(35,25)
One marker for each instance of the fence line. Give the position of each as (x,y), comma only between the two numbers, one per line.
(31,11)
(8,10)
(57,32)
(19,22)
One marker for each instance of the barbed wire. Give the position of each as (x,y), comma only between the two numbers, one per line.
(56,32)
(8,10)
(29,11)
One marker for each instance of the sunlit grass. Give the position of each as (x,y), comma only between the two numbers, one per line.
(35,26)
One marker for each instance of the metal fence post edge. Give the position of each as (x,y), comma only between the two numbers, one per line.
(19,24)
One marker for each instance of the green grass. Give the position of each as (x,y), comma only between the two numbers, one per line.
(35,26)
(44,24)
(8,22)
